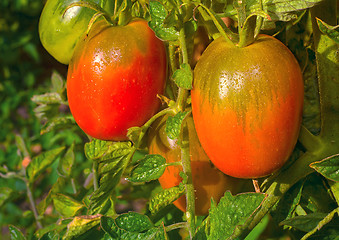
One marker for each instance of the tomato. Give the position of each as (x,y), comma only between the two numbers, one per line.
(59,34)
(208,181)
(247,105)
(114,78)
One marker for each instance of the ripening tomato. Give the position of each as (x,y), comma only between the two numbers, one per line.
(208,181)
(60,31)
(114,78)
(247,105)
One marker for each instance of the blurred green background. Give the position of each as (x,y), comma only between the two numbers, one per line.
(25,70)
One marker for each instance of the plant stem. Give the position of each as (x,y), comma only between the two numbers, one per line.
(74,187)
(322,223)
(176,226)
(32,202)
(183,93)
(95,175)
(334,186)
(185,151)
(190,196)
(150,121)
(307,139)
(229,36)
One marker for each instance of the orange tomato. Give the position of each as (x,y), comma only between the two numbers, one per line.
(114,78)
(247,105)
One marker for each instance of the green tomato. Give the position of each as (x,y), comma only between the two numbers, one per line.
(60,31)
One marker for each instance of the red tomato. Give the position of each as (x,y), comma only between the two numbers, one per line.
(114,78)
(247,105)
(208,181)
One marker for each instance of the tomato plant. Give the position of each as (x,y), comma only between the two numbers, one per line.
(208,181)
(60,30)
(247,105)
(247,95)
(114,78)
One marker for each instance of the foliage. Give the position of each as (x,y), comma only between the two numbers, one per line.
(56,183)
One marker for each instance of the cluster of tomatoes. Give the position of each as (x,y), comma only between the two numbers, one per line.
(246,102)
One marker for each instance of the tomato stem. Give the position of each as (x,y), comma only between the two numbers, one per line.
(260,21)
(183,93)
(95,175)
(256,185)
(32,203)
(190,195)
(149,123)
(170,85)
(174,163)
(176,226)
(224,32)
(185,151)
(307,139)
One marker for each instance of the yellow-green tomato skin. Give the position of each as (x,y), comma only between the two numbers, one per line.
(60,31)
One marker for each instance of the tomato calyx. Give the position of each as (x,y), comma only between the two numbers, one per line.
(248,25)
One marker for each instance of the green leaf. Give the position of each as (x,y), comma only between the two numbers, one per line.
(165,197)
(327,224)
(133,222)
(32,51)
(280,10)
(20,143)
(99,150)
(149,168)
(45,111)
(158,15)
(48,98)
(48,232)
(81,225)
(96,149)
(57,187)
(50,236)
(202,230)
(5,195)
(113,158)
(57,123)
(330,31)
(16,234)
(66,206)
(58,84)
(66,162)
(304,223)
(315,195)
(287,205)
(183,77)
(110,227)
(231,212)
(328,167)
(41,162)
(173,125)
(171,19)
